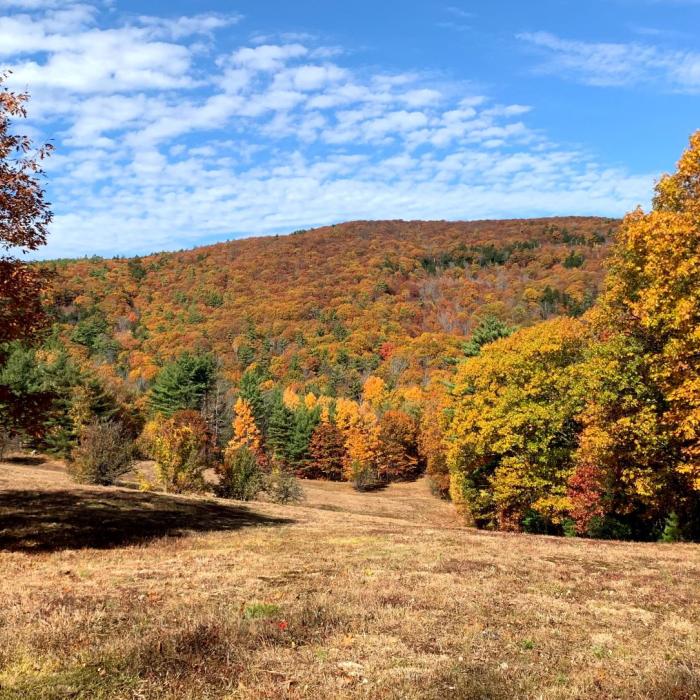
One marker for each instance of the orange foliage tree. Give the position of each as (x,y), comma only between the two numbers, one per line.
(358,424)
(398,457)
(326,454)
(245,431)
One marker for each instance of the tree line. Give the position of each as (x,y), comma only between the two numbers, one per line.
(551,411)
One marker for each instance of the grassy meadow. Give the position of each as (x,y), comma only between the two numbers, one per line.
(112,593)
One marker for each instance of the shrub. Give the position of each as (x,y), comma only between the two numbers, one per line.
(105,451)
(672,529)
(182,447)
(239,476)
(280,486)
(364,477)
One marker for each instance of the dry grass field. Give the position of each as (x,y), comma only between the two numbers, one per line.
(111,593)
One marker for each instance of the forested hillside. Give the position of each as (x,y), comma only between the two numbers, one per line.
(327,307)
(480,352)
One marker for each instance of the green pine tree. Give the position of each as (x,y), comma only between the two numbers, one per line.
(183,384)
(489,329)
(279,426)
(672,529)
(305,422)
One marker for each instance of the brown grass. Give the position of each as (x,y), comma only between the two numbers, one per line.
(379,595)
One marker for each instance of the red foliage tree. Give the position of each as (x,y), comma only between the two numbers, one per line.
(398,448)
(326,454)
(24,217)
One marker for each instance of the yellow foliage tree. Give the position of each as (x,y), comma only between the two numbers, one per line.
(360,429)
(374,391)
(181,446)
(639,458)
(513,431)
(245,431)
(326,404)
(291,399)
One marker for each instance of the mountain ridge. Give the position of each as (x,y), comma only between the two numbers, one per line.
(348,296)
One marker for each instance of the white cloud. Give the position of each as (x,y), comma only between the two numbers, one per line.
(267,57)
(617,64)
(180,27)
(162,145)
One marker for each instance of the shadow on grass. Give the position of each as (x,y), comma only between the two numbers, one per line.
(24,460)
(48,521)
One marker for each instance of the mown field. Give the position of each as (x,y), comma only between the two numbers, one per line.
(111,593)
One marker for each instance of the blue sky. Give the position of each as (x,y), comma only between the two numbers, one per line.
(184,122)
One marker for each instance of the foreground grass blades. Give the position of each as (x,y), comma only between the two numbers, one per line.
(378,595)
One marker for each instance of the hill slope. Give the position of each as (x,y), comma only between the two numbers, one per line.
(328,306)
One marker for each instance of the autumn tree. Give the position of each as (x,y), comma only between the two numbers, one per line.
(639,459)
(375,392)
(245,430)
(24,220)
(358,424)
(182,447)
(326,454)
(431,440)
(249,389)
(291,399)
(398,458)
(514,426)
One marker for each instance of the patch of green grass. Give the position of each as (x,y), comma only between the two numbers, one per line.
(527,644)
(601,652)
(84,683)
(257,611)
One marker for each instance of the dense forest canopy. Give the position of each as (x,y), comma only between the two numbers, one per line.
(327,307)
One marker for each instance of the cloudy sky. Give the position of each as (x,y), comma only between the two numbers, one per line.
(182,122)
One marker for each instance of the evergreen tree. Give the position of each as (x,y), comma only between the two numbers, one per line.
(672,529)
(305,421)
(26,399)
(182,384)
(489,329)
(279,428)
